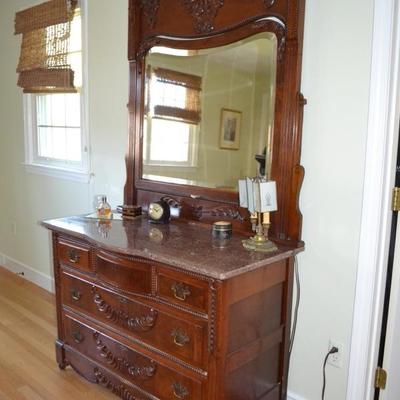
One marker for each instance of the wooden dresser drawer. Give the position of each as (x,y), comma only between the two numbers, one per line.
(128,274)
(181,338)
(142,371)
(112,382)
(182,289)
(73,254)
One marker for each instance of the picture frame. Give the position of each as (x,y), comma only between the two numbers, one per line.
(231,123)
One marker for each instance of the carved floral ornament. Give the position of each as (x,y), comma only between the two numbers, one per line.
(150,10)
(203,12)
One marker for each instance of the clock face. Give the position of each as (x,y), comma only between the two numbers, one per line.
(155,211)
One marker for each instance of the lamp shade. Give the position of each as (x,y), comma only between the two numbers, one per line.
(257,195)
(267,196)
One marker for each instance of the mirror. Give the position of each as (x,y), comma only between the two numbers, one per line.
(209,113)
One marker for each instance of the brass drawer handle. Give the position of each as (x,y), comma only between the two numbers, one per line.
(179,390)
(76,294)
(73,256)
(77,336)
(181,339)
(181,291)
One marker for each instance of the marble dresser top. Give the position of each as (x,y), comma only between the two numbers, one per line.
(185,245)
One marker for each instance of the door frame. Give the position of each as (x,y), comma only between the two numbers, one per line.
(380,162)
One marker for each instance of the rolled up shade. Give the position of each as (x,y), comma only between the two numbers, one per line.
(43,64)
(166,106)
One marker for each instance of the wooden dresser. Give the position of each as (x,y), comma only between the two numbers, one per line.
(158,313)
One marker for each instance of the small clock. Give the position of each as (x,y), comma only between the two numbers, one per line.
(159,212)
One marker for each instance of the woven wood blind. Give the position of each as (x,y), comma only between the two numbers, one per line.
(43,63)
(191,112)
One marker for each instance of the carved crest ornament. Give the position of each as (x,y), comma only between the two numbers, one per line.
(204,13)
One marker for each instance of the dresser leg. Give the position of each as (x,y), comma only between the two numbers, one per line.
(60,354)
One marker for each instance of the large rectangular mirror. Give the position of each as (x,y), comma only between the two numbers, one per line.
(209,114)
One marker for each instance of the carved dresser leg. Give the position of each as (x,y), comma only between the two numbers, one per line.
(60,354)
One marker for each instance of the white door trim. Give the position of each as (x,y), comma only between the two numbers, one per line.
(376,215)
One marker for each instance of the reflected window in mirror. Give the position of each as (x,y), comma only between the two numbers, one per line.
(191,98)
(173,113)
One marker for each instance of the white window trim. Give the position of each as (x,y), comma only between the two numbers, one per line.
(192,163)
(32,163)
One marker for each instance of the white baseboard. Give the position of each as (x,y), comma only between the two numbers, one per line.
(38,278)
(293,396)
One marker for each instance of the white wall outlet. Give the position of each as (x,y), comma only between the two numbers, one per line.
(335,359)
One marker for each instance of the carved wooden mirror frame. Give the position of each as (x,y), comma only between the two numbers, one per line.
(196,24)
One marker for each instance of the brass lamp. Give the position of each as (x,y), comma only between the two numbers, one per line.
(258,195)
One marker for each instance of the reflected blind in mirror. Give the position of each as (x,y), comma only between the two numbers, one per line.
(175,95)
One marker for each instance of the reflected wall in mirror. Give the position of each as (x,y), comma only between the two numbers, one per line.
(209,113)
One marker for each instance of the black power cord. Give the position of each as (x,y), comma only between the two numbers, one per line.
(333,350)
(296,308)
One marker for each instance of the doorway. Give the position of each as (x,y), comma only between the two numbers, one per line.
(389,349)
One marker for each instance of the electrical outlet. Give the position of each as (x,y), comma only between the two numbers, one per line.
(335,359)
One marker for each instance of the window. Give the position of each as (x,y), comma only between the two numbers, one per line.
(172,143)
(172,120)
(56,143)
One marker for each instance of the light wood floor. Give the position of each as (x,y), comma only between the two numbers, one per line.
(28,370)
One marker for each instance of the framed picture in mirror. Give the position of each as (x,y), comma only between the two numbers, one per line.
(230,129)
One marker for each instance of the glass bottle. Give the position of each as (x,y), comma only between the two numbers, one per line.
(104,209)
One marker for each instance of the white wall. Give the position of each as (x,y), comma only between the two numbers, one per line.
(336,78)
(27,198)
(336,71)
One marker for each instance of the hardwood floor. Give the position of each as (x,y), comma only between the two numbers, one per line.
(28,370)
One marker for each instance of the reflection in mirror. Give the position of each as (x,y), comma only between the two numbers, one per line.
(209,113)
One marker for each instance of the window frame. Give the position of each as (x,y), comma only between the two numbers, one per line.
(64,169)
(192,147)
(157,75)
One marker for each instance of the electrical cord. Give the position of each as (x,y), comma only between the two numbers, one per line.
(333,350)
(296,308)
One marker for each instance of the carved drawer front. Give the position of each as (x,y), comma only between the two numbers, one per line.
(131,275)
(178,337)
(143,372)
(102,376)
(73,255)
(182,289)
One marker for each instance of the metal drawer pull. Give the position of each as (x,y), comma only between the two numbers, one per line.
(181,291)
(180,338)
(73,256)
(76,294)
(78,337)
(179,390)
